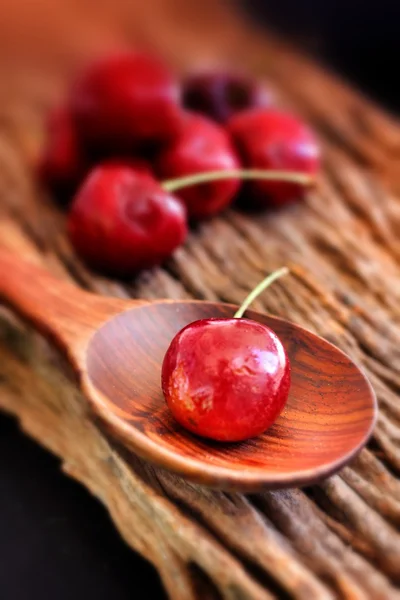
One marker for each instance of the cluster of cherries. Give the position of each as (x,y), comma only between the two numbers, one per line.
(137,154)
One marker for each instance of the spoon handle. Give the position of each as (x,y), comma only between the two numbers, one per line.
(60,310)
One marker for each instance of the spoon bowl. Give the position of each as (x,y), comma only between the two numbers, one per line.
(117,348)
(328,416)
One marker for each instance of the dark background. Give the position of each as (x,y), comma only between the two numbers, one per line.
(359,38)
(55,540)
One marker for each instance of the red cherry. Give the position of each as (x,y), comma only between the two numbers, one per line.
(226,379)
(274,140)
(122,221)
(62,163)
(220,95)
(126,99)
(201,146)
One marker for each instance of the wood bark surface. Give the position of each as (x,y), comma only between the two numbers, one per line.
(338,539)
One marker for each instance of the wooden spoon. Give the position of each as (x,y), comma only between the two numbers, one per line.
(117,347)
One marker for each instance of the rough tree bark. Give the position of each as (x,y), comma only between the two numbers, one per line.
(339,539)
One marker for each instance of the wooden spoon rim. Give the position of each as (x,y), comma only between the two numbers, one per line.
(217,476)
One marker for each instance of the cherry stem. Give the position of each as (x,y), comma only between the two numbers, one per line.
(172,185)
(258,289)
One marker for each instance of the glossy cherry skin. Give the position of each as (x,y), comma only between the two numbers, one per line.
(275,140)
(121,221)
(226,379)
(126,99)
(200,147)
(63,161)
(220,95)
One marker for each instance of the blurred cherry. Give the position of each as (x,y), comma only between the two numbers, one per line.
(201,146)
(122,221)
(275,140)
(220,94)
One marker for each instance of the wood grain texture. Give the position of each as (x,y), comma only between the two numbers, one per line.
(338,539)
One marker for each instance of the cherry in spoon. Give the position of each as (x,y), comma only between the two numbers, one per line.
(227,379)
(117,348)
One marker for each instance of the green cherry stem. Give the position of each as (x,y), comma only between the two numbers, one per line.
(172,185)
(258,289)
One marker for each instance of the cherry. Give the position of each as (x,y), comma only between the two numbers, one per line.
(122,221)
(220,95)
(270,139)
(63,161)
(201,146)
(126,99)
(227,379)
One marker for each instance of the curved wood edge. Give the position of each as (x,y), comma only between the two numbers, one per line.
(65,314)
(217,477)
